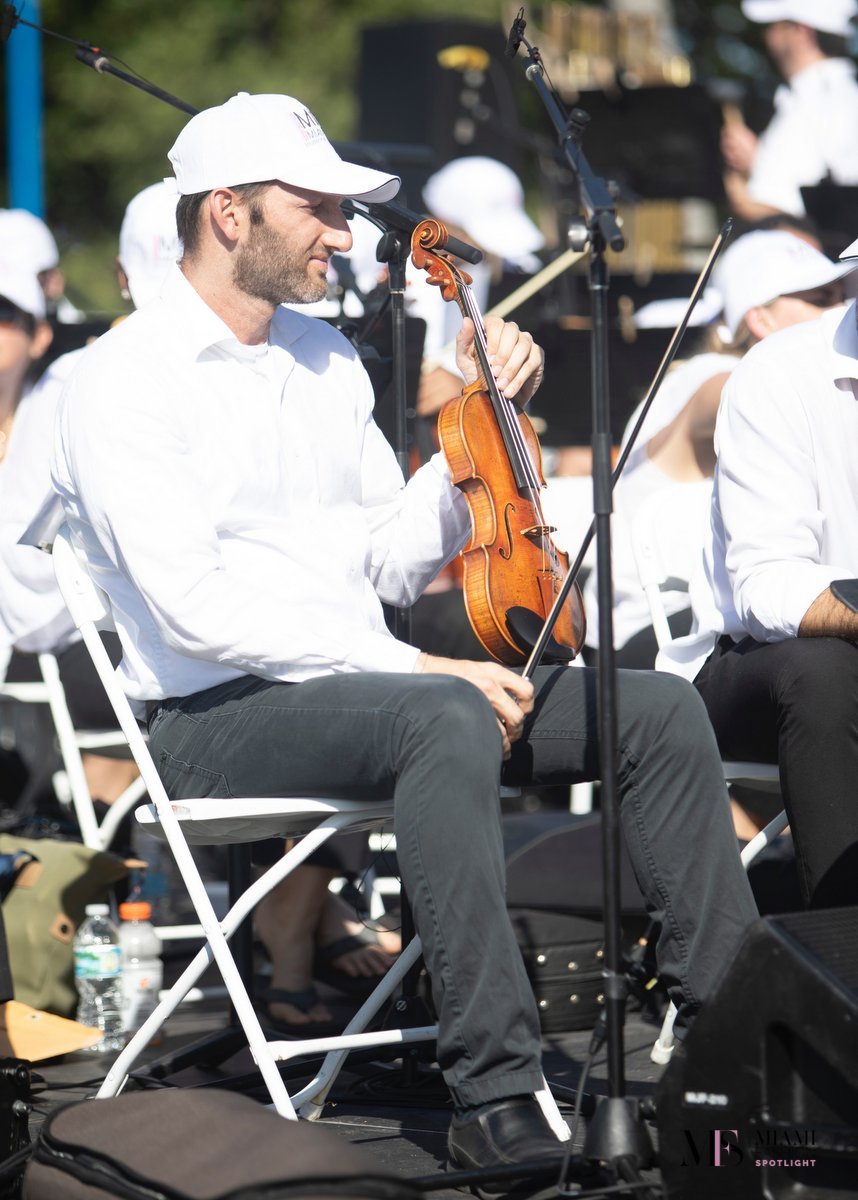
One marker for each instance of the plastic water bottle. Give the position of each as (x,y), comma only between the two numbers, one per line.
(98,977)
(142,970)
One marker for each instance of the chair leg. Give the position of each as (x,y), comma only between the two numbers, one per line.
(764,838)
(216,950)
(662,1049)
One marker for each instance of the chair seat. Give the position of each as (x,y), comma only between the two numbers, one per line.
(211,820)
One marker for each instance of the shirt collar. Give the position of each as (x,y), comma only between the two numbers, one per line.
(203,330)
(843,336)
(820,74)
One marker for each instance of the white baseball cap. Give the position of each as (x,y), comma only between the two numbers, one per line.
(828,16)
(251,139)
(484,198)
(148,241)
(26,238)
(19,284)
(760,266)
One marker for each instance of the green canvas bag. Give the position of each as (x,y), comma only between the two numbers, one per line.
(44,908)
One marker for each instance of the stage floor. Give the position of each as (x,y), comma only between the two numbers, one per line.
(401,1120)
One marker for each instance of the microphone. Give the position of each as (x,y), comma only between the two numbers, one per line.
(397,216)
(516,35)
(8,20)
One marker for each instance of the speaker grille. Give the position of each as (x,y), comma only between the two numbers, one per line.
(830,935)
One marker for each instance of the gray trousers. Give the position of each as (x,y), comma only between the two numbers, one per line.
(432,742)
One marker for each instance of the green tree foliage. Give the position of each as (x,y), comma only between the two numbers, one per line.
(105,140)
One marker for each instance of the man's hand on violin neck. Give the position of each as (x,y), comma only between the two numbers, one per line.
(510,696)
(515,358)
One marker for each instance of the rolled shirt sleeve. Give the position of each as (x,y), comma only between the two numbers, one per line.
(784,485)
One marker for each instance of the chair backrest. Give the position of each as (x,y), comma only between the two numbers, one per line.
(90,610)
(664,534)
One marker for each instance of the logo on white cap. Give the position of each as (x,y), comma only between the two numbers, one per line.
(310,129)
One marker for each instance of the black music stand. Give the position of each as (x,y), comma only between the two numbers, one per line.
(656,143)
(833,208)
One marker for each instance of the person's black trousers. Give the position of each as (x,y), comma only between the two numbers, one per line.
(795,703)
(432,742)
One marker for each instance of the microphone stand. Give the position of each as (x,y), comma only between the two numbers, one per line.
(615,1131)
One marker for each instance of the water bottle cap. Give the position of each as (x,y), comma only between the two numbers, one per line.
(98,910)
(135,910)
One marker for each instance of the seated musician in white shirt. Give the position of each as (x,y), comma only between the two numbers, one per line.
(772,651)
(247,519)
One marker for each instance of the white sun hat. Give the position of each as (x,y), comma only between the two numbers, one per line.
(484,198)
(26,238)
(760,266)
(148,241)
(251,139)
(18,283)
(828,16)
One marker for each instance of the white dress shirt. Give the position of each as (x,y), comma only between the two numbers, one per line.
(814,132)
(239,504)
(33,615)
(640,480)
(784,517)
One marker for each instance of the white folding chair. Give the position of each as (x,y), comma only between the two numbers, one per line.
(72,788)
(652,535)
(211,821)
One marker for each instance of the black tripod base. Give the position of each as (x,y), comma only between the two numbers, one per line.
(616,1131)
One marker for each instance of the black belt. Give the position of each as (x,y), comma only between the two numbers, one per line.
(152,707)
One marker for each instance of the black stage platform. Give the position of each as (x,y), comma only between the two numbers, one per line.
(403,1126)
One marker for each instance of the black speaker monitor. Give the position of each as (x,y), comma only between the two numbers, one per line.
(762,1099)
(444,84)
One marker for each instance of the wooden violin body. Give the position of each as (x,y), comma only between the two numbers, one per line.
(510,563)
(513,572)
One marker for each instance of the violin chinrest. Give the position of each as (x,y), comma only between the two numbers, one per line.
(846,591)
(525,627)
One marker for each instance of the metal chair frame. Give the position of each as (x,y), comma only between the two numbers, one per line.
(209,820)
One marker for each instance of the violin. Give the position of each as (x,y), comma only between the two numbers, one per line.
(512,570)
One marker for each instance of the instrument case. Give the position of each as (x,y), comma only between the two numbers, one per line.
(197,1144)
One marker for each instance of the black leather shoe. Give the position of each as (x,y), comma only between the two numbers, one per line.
(503,1134)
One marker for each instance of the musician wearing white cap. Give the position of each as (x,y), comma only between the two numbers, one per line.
(26,238)
(772,650)
(766,281)
(33,616)
(813,134)
(481,201)
(248,520)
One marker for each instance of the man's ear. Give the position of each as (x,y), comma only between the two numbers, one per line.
(760,321)
(227,213)
(40,340)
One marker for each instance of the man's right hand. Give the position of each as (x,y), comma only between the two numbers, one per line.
(739,147)
(510,696)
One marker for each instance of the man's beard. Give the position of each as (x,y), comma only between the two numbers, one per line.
(267,269)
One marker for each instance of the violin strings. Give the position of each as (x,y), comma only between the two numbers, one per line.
(522,449)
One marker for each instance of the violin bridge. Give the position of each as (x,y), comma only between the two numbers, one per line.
(535,532)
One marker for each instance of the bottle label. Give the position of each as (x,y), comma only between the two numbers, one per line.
(97,962)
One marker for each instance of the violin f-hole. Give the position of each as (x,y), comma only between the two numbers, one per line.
(504,553)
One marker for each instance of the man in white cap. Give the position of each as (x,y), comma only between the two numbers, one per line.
(772,649)
(767,281)
(813,134)
(33,614)
(248,520)
(28,239)
(481,201)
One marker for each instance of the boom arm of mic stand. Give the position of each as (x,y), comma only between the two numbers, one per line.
(91,56)
(669,355)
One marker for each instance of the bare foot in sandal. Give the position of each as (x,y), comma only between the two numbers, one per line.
(347,946)
(285,922)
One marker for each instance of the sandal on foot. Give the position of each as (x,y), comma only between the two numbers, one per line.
(303,1001)
(336,977)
